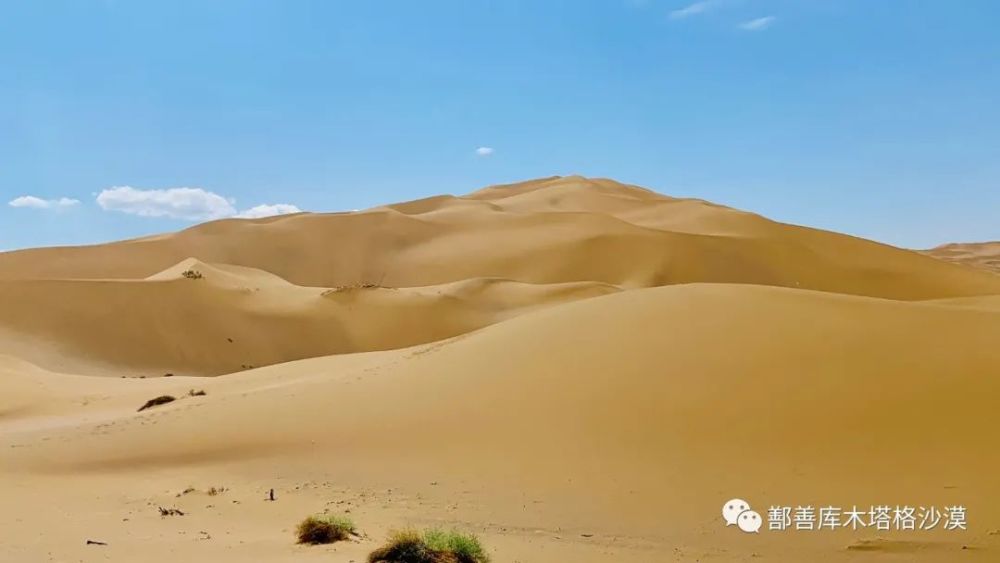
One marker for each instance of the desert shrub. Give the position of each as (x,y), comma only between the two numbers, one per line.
(354,287)
(324,528)
(198,393)
(403,547)
(433,546)
(192,274)
(161,400)
(464,547)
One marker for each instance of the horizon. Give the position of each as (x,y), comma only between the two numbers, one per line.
(459,196)
(867,120)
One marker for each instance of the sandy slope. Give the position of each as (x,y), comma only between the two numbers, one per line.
(633,436)
(547,231)
(456,264)
(538,374)
(235,318)
(985,255)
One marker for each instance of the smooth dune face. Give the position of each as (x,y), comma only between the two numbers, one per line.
(540,373)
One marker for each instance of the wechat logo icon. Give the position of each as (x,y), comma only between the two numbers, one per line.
(737,511)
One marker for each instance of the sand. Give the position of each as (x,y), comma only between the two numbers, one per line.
(985,255)
(574,369)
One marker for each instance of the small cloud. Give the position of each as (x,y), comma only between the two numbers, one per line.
(691,10)
(485,151)
(267,210)
(758,24)
(33,202)
(193,204)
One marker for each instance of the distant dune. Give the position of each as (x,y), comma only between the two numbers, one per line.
(575,369)
(985,255)
(545,231)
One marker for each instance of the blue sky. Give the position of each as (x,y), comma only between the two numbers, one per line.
(875,118)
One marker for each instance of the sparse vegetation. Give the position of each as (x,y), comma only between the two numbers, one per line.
(198,393)
(161,400)
(170,512)
(354,286)
(432,546)
(325,528)
(192,274)
(210,492)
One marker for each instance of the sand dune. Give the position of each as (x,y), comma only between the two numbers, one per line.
(236,318)
(444,266)
(816,398)
(585,358)
(542,363)
(985,255)
(551,231)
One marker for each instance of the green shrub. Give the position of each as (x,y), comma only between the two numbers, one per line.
(433,546)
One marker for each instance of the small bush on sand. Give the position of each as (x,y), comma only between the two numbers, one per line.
(191,274)
(197,393)
(161,400)
(433,546)
(354,287)
(325,528)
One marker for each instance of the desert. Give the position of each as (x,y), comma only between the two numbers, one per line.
(572,369)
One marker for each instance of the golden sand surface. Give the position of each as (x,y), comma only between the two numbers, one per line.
(573,369)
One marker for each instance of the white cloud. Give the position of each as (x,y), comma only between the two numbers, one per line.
(758,24)
(190,204)
(39,203)
(267,210)
(691,10)
(193,204)
(485,151)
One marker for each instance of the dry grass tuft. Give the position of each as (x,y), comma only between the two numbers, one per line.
(161,400)
(323,528)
